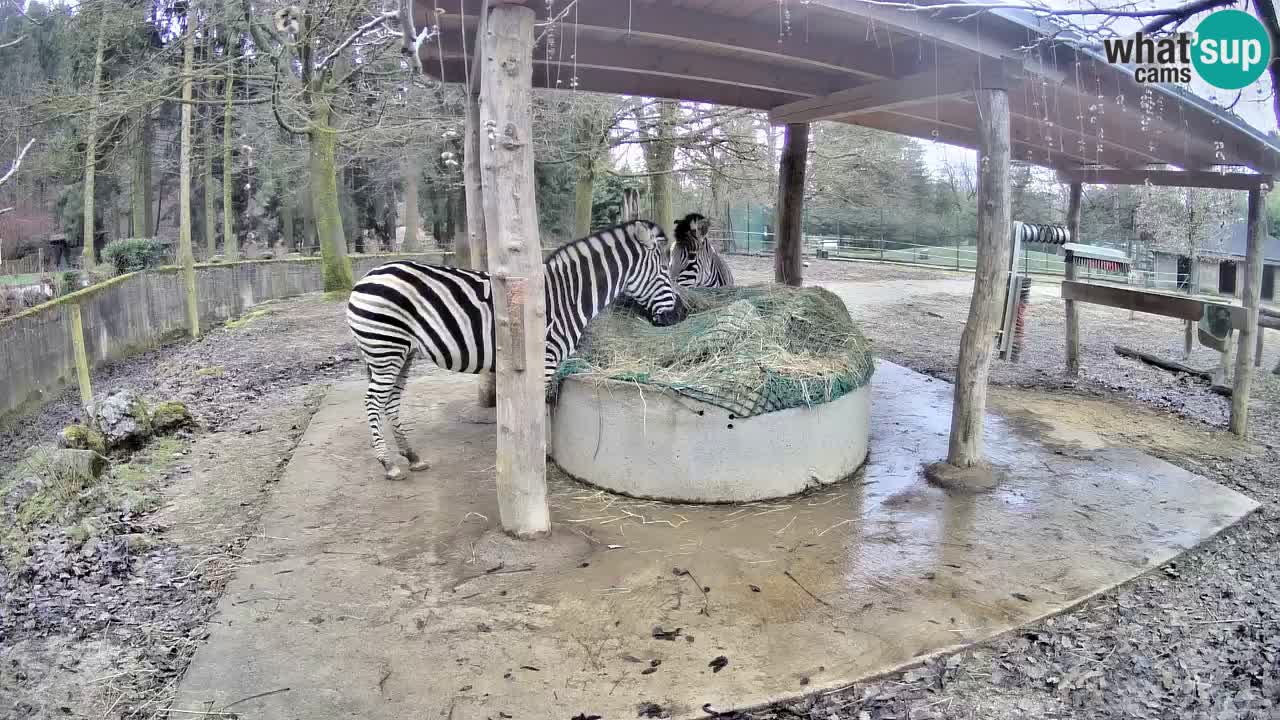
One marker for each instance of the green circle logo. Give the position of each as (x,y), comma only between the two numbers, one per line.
(1231,49)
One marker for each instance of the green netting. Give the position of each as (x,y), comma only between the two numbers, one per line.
(749,350)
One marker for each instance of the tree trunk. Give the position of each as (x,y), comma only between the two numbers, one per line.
(89,257)
(324,198)
(230,244)
(583,188)
(511,220)
(476,237)
(307,243)
(184,178)
(1073,320)
(412,218)
(286,225)
(457,219)
(1250,297)
(210,207)
(974,366)
(140,194)
(787,269)
(660,162)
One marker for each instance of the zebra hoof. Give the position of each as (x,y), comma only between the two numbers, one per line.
(419,464)
(395,473)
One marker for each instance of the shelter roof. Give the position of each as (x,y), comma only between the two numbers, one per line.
(903,70)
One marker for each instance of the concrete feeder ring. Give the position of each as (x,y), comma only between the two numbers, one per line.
(641,442)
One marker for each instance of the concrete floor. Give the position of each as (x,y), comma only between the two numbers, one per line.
(371,599)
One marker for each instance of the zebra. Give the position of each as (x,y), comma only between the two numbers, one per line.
(403,308)
(694,263)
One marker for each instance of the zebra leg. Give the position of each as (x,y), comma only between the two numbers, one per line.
(382,382)
(393,414)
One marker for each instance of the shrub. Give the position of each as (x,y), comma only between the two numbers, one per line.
(68,282)
(133,254)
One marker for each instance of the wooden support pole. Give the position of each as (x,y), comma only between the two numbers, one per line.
(1250,297)
(787,267)
(185,253)
(476,238)
(82,360)
(974,366)
(511,230)
(1073,320)
(630,204)
(1257,353)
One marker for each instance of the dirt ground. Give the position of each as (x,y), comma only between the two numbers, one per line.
(108,635)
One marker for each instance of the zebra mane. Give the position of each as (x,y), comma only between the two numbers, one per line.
(603,234)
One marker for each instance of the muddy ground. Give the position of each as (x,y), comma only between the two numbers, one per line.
(108,634)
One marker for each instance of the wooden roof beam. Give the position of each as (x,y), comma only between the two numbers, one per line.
(1165,178)
(959,134)
(923,23)
(632,55)
(627,82)
(895,92)
(711,32)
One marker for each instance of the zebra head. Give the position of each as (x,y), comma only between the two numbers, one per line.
(692,230)
(648,282)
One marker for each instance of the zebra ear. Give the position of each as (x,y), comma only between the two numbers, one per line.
(644,234)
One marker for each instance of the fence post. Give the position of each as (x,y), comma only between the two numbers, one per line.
(957,252)
(82,360)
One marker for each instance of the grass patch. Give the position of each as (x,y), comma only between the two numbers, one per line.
(337,295)
(247,318)
(39,493)
(24,279)
(213,371)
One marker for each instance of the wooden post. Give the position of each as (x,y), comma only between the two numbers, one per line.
(1257,353)
(511,229)
(630,204)
(974,366)
(82,360)
(1222,373)
(787,266)
(476,242)
(1250,296)
(1069,269)
(185,253)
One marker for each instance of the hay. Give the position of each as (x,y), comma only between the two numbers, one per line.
(749,350)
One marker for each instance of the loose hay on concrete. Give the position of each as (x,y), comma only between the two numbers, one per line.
(749,350)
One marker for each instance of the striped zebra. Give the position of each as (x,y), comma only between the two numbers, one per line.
(404,308)
(694,263)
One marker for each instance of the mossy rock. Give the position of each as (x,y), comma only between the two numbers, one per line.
(124,419)
(169,416)
(82,437)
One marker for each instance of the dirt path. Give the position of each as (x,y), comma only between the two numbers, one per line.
(108,636)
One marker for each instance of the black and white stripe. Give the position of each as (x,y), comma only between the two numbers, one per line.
(404,308)
(694,263)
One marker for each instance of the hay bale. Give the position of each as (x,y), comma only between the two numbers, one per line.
(749,350)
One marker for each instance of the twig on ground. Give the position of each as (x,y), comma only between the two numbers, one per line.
(706,602)
(800,585)
(277,691)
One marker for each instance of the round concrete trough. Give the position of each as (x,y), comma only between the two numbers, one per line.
(643,443)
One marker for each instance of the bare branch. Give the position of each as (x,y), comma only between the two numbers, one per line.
(22,11)
(378,22)
(17,162)
(13,42)
(1182,12)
